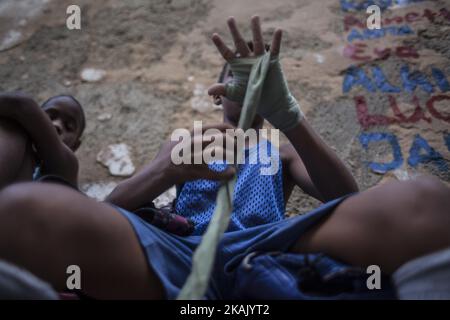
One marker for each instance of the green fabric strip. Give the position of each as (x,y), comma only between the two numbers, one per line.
(203,258)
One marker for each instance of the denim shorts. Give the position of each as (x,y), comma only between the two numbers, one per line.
(170,256)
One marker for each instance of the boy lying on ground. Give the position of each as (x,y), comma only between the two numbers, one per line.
(122,256)
(39,141)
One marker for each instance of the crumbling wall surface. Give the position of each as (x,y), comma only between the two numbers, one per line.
(380,98)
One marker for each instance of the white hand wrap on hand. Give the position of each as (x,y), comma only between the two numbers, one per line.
(277,104)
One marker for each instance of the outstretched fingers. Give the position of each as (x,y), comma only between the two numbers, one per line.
(242,49)
(226,52)
(276,43)
(258,41)
(241,45)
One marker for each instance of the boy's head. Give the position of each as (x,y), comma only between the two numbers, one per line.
(231,109)
(67,116)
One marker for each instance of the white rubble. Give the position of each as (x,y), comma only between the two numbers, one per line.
(104,117)
(92,74)
(117,159)
(22,20)
(98,191)
(11,39)
(319,58)
(165,198)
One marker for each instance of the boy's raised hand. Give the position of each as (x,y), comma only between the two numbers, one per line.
(278,106)
(242,59)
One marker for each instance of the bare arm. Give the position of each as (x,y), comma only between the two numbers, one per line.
(161,174)
(143,187)
(14,144)
(295,173)
(328,174)
(57,158)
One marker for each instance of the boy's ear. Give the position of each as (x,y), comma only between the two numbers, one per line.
(77,145)
(217,100)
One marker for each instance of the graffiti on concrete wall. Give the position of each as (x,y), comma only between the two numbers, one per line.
(410,81)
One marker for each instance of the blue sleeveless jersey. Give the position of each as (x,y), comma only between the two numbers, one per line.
(258,193)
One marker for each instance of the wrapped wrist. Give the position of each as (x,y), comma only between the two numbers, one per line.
(286,116)
(241,68)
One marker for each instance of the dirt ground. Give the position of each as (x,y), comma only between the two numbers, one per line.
(159,60)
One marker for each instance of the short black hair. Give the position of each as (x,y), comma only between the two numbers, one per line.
(83,117)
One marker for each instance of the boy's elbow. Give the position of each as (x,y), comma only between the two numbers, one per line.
(348,188)
(352,187)
(340,191)
(14,97)
(116,197)
(14,103)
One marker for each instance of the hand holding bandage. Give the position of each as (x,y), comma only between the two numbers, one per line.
(277,104)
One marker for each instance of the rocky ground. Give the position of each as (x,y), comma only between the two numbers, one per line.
(157,60)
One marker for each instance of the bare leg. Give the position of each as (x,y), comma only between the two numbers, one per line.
(15,156)
(386,225)
(45,228)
